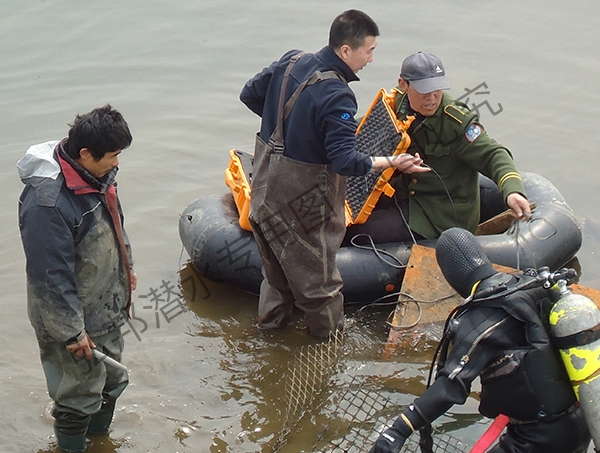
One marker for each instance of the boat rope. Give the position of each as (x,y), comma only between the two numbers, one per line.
(405,221)
(393,326)
(517,232)
(447,193)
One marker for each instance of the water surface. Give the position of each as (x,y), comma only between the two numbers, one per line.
(205,379)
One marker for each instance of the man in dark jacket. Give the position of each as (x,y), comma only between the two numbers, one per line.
(79,276)
(303,154)
(500,335)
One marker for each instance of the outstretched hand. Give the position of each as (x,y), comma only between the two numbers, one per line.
(407,163)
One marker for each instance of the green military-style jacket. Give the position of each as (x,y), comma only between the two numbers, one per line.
(455,145)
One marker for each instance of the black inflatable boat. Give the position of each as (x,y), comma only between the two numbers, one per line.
(221,250)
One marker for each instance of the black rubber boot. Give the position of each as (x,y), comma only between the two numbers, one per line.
(71,444)
(100,423)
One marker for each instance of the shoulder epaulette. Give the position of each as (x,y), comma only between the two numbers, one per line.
(400,101)
(456,112)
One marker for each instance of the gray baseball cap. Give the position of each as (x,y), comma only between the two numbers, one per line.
(425,72)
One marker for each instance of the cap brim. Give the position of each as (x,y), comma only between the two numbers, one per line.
(424,86)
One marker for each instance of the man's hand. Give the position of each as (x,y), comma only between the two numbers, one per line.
(518,205)
(133,281)
(82,348)
(406,163)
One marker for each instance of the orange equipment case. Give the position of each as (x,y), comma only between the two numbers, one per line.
(238,176)
(378,134)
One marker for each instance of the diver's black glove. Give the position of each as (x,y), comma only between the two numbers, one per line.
(392,439)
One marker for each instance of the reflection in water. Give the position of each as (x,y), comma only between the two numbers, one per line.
(591,237)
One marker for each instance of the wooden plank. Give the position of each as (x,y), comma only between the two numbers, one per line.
(499,223)
(426,298)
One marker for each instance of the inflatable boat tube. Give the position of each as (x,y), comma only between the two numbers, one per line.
(222,251)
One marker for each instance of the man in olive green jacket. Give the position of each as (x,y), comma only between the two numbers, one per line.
(452,142)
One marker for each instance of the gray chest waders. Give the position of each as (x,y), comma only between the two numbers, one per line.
(297,215)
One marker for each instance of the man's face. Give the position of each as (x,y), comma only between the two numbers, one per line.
(357,59)
(425,104)
(98,168)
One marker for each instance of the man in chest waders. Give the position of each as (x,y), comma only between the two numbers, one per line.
(304,151)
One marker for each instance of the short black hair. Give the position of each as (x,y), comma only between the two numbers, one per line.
(351,27)
(103,130)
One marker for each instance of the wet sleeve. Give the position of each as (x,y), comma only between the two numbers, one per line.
(440,397)
(50,252)
(453,383)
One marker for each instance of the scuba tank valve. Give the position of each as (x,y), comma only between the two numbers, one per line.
(575,326)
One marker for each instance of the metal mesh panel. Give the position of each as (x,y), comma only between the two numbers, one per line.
(442,443)
(353,420)
(361,415)
(312,368)
(353,426)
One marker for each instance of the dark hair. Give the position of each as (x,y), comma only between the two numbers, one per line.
(103,130)
(351,27)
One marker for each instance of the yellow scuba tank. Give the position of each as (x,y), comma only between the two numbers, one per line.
(575,325)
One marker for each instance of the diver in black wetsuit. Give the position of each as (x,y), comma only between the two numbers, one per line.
(499,334)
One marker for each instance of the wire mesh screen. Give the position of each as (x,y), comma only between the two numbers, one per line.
(353,425)
(442,443)
(308,374)
(361,415)
(353,418)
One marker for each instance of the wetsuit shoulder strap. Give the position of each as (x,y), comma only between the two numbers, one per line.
(284,108)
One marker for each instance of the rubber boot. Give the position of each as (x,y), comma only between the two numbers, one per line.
(100,422)
(71,444)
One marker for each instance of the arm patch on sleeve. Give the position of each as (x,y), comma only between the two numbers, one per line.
(472,132)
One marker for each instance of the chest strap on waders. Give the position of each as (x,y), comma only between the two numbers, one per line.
(239,174)
(284,108)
